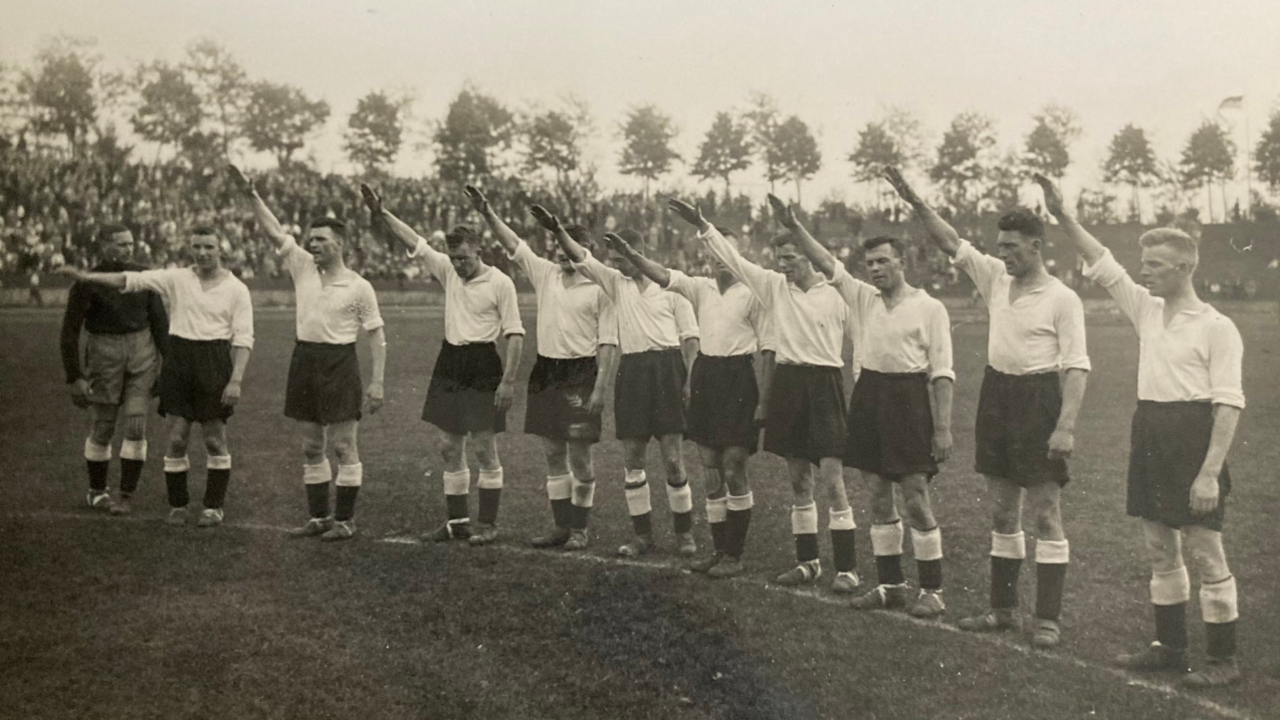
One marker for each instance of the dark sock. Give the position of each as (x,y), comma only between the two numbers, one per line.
(561,510)
(97,475)
(842,546)
(456,505)
(930,572)
(176,485)
(215,489)
(737,523)
(1171,625)
(346,502)
(1221,639)
(489,498)
(1050,580)
(889,570)
(318,499)
(578,517)
(643,524)
(130,474)
(682,522)
(806,547)
(1004,582)
(719,532)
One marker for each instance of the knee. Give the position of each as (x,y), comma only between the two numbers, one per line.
(1208,558)
(177,445)
(346,452)
(102,431)
(1048,521)
(919,513)
(313,449)
(487,455)
(135,427)
(1006,519)
(557,456)
(450,450)
(215,446)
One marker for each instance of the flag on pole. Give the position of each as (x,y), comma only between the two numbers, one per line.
(1235,102)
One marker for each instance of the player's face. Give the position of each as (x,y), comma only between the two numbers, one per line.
(465,259)
(324,245)
(118,247)
(884,267)
(1163,270)
(790,262)
(561,259)
(1017,251)
(619,262)
(205,252)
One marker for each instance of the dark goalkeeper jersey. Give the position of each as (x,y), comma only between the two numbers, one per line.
(108,311)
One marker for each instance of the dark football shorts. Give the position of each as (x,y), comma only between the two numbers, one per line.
(559,389)
(324,383)
(1168,444)
(722,403)
(194,376)
(890,427)
(648,401)
(460,398)
(1016,416)
(806,414)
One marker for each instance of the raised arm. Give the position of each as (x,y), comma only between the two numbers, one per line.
(753,276)
(1087,245)
(261,212)
(510,241)
(944,236)
(549,221)
(115,279)
(821,258)
(652,270)
(396,228)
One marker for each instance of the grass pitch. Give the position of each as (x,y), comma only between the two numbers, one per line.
(133,619)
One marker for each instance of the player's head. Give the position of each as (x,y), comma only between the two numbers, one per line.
(790,261)
(722,270)
(884,258)
(463,245)
(325,240)
(581,236)
(206,248)
(1169,258)
(1020,241)
(115,243)
(619,262)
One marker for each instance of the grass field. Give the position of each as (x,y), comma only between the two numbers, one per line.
(109,618)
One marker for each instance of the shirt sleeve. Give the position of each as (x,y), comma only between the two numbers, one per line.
(538,269)
(158,320)
(685,286)
(508,306)
(72,323)
(599,273)
(160,281)
(1226,356)
(762,320)
(606,320)
(983,269)
(759,280)
(1069,325)
(941,363)
(1128,295)
(855,292)
(293,256)
(686,319)
(367,313)
(242,319)
(437,262)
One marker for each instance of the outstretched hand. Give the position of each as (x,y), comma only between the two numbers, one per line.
(901,186)
(242,182)
(477,198)
(1052,195)
(691,214)
(619,245)
(545,218)
(785,214)
(371,199)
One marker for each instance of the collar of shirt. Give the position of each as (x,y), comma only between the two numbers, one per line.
(482,276)
(821,282)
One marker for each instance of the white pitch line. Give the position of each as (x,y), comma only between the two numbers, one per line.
(808,594)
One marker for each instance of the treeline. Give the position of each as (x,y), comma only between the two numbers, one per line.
(206,106)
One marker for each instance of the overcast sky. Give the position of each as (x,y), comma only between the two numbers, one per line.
(1163,65)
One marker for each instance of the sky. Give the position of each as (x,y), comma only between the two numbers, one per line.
(1164,65)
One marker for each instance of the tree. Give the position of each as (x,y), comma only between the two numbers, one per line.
(553,139)
(278,118)
(876,148)
(60,89)
(169,108)
(647,152)
(1131,161)
(964,159)
(725,150)
(794,153)
(476,128)
(1048,147)
(374,131)
(1266,155)
(222,85)
(762,117)
(1209,156)
(1005,179)
(907,133)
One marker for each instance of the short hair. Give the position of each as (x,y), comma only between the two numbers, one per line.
(893,242)
(579,233)
(462,235)
(783,239)
(204,230)
(106,232)
(1181,242)
(633,238)
(1022,221)
(338,227)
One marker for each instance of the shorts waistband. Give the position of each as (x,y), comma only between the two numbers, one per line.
(654,351)
(727,359)
(1029,378)
(907,376)
(322,345)
(1174,404)
(125,334)
(208,343)
(490,344)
